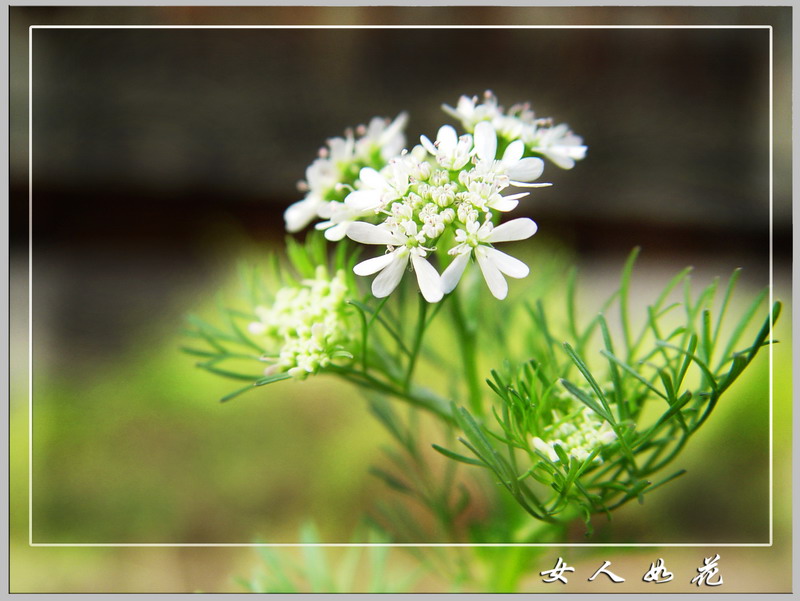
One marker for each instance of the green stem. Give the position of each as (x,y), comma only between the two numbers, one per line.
(421,323)
(542,531)
(509,566)
(467,345)
(364,340)
(416,396)
(672,454)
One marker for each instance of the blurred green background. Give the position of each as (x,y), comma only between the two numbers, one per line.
(163,157)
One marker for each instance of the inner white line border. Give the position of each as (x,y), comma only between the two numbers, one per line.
(31,543)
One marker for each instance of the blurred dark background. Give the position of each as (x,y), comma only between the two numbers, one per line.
(152,134)
(161,156)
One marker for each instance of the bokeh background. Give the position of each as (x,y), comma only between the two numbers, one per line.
(161,158)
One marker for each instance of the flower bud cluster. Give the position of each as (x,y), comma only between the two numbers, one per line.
(306,323)
(578,430)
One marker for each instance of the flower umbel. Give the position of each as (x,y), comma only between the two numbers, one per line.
(339,163)
(445,192)
(555,142)
(306,323)
(577,430)
(439,199)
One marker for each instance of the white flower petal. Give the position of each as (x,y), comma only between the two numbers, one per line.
(526,170)
(327,209)
(508,203)
(374,265)
(338,231)
(363,200)
(366,233)
(516,229)
(504,204)
(451,111)
(485,141)
(447,138)
(528,185)
(514,152)
(394,128)
(494,279)
(578,152)
(299,214)
(466,105)
(454,271)
(371,178)
(507,264)
(564,156)
(390,277)
(429,280)
(428,145)
(559,160)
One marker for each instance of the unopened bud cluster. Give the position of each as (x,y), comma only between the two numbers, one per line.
(578,430)
(306,324)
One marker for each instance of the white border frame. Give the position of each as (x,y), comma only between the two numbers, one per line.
(420,545)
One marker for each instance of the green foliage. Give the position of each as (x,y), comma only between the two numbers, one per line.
(584,418)
(581,417)
(679,368)
(380,354)
(229,350)
(362,566)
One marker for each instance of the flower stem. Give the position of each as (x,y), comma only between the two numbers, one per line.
(467,345)
(550,529)
(421,323)
(416,396)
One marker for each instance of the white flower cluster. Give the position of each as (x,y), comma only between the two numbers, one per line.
(578,431)
(554,142)
(442,197)
(339,163)
(308,322)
